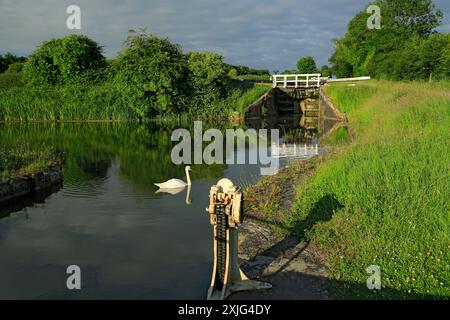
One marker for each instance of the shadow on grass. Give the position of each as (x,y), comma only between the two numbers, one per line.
(291,285)
(322,211)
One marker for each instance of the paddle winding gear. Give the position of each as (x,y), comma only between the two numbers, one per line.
(226,213)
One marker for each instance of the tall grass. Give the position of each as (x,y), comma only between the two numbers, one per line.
(78,102)
(348,96)
(10,80)
(338,137)
(99,101)
(384,200)
(239,101)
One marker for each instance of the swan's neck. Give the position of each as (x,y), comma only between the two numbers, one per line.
(188,177)
(188,193)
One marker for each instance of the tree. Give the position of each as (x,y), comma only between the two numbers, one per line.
(40,67)
(206,69)
(325,71)
(418,17)
(65,60)
(77,57)
(3,65)
(207,77)
(9,59)
(385,53)
(307,65)
(151,74)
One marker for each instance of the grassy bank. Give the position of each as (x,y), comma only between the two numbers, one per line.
(383,200)
(102,101)
(17,161)
(242,99)
(76,102)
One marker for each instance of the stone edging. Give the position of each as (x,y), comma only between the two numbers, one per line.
(30,183)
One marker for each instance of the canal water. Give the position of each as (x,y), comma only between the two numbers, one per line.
(130,242)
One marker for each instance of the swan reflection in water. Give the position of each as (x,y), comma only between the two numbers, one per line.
(174,191)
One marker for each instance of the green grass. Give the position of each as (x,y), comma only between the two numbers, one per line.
(10,80)
(100,101)
(384,199)
(77,102)
(339,137)
(241,100)
(349,96)
(254,77)
(17,161)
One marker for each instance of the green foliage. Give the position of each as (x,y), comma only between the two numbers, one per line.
(9,59)
(68,102)
(290,72)
(420,59)
(325,71)
(418,17)
(339,137)
(78,57)
(15,67)
(10,80)
(253,77)
(232,73)
(40,67)
(207,81)
(306,65)
(243,100)
(150,77)
(244,70)
(385,195)
(405,47)
(151,74)
(62,61)
(206,69)
(350,97)
(18,160)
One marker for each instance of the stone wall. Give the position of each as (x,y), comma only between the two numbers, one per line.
(30,183)
(266,105)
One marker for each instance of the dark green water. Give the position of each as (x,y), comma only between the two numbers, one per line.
(129,241)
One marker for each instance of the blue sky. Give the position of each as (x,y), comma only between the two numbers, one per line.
(257,33)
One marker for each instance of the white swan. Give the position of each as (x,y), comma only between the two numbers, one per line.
(176,183)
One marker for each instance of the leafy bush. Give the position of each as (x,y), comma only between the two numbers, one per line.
(325,71)
(10,80)
(63,61)
(8,59)
(232,73)
(306,65)
(15,67)
(207,77)
(151,73)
